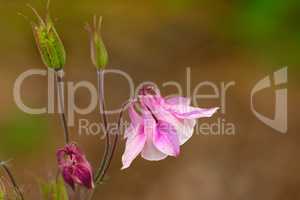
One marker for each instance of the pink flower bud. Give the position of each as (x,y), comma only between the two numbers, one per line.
(74,167)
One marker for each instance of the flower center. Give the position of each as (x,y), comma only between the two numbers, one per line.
(147,90)
(148,94)
(70,160)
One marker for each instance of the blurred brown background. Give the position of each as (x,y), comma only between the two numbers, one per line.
(241,41)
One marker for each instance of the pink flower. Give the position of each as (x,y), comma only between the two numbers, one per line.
(74,166)
(160,126)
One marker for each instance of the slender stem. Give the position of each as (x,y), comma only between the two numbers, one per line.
(114,144)
(60,92)
(100,79)
(102,175)
(12,179)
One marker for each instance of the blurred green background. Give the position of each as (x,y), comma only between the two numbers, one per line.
(240,41)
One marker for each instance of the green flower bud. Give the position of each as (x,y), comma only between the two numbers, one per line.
(48,42)
(99,54)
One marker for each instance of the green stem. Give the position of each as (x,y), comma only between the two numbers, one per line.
(100,80)
(60,92)
(114,145)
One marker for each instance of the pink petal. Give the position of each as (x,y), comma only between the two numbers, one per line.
(189,112)
(185,132)
(67,176)
(131,131)
(60,155)
(84,176)
(182,130)
(136,120)
(151,101)
(134,116)
(134,146)
(150,152)
(165,139)
(184,127)
(178,100)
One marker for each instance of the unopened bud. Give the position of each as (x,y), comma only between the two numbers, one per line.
(99,54)
(49,44)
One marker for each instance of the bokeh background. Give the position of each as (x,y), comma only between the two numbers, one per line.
(241,41)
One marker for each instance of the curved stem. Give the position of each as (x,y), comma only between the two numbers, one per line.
(114,145)
(12,179)
(60,92)
(100,80)
(102,175)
